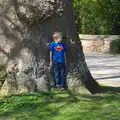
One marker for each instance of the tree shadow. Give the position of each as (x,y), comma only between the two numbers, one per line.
(47,106)
(110,89)
(43,106)
(109,77)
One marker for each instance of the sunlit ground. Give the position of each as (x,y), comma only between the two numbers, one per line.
(62,106)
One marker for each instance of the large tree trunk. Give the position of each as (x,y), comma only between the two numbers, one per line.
(26,27)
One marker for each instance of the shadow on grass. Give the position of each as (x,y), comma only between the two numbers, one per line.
(108,94)
(110,89)
(35,106)
(47,106)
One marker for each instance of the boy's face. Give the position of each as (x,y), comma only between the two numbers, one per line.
(59,40)
(57,37)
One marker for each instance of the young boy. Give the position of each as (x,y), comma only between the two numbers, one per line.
(58,59)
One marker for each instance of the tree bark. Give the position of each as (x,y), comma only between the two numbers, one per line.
(26,30)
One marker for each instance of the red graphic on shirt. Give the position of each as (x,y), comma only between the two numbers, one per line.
(58,48)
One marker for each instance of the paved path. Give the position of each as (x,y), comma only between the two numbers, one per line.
(105,68)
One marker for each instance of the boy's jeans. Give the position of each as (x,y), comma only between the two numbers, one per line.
(59,74)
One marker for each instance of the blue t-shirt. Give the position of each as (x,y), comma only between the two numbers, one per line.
(58,50)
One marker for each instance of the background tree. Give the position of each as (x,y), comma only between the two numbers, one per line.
(97,16)
(26,28)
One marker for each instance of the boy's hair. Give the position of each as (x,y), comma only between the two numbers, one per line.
(57,35)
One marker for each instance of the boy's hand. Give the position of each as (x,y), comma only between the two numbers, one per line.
(51,64)
(66,63)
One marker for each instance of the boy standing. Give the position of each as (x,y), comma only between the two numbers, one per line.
(58,59)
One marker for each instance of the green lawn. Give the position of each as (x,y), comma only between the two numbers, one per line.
(62,106)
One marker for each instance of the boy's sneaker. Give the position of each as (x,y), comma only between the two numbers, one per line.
(61,89)
(56,88)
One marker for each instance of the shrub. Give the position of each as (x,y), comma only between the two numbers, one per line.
(115,47)
(97,16)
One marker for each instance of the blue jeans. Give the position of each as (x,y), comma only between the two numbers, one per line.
(59,74)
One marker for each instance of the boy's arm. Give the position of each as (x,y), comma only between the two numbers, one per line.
(50,58)
(65,58)
(51,49)
(65,55)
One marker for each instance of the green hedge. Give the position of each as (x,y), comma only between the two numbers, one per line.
(97,16)
(115,47)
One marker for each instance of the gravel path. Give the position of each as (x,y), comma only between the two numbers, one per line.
(105,68)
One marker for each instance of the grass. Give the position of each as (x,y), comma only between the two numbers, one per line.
(62,106)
